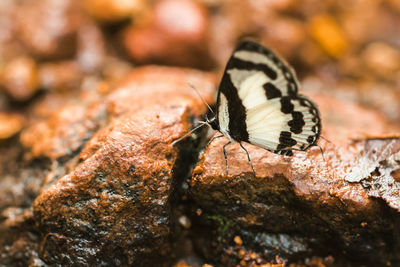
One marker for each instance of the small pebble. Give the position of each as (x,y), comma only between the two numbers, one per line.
(10,124)
(238,240)
(241,253)
(114,10)
(382,58)
(19,78)
(185,222)
(329,35)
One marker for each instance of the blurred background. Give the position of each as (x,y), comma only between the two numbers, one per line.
(55,51)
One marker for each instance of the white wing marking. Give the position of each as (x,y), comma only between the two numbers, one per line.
(259,58)
(238,76)
(251,90)
(223,116)
(266,121)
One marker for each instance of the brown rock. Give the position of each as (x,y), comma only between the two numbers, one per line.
(91,50)
(68,128)
(329,35)
(297,202)
(60,76)
(238,240)
(19,78)
(229,24)
(114,199)
(10,48)
(114,10)
(374,94)
(64,132)
(284,35)
(103,197)
(175,34)
(381,26)
(382,59)
(48,28)
(19,185)
(114,70)
(10,124)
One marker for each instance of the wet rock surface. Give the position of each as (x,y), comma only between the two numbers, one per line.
(88,172)
(118,209)
(296,204)
(99,204)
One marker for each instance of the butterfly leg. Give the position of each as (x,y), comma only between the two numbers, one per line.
(226,158)
(248,157)
(212,139)
(284,152)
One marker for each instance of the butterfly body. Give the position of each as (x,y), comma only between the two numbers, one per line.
(258,102)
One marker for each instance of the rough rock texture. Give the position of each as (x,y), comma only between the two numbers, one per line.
(301,206)
(110,204)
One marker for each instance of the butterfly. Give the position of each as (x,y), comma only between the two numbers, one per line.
(258,103)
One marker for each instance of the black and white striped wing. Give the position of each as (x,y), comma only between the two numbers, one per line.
(258,102)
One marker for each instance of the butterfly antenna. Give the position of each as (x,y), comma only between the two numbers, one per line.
(191,131)
(329,142)
(202,98)
(325,139)
(322,151)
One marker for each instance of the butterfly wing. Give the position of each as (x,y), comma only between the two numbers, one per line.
(258,102)
(284,124)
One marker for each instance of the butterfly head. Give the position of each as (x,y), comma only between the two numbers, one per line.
(213,122)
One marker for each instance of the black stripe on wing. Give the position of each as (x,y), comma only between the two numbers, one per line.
(298,124)
(237,112)
(236,63)
(287,72)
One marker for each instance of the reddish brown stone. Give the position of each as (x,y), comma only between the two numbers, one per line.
(10,48)
(373,94)
(115,69)
(68,128)
(91,50)
(64,132)
(114,10)
(48,28)
(19,78)
(284,35)
(114,198)
(60,76)
(175,34)
(104,196)
(382,59)
(230,24)
(10,124)
(308,194)
(19,185)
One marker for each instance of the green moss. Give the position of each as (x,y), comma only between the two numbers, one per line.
(223,223)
